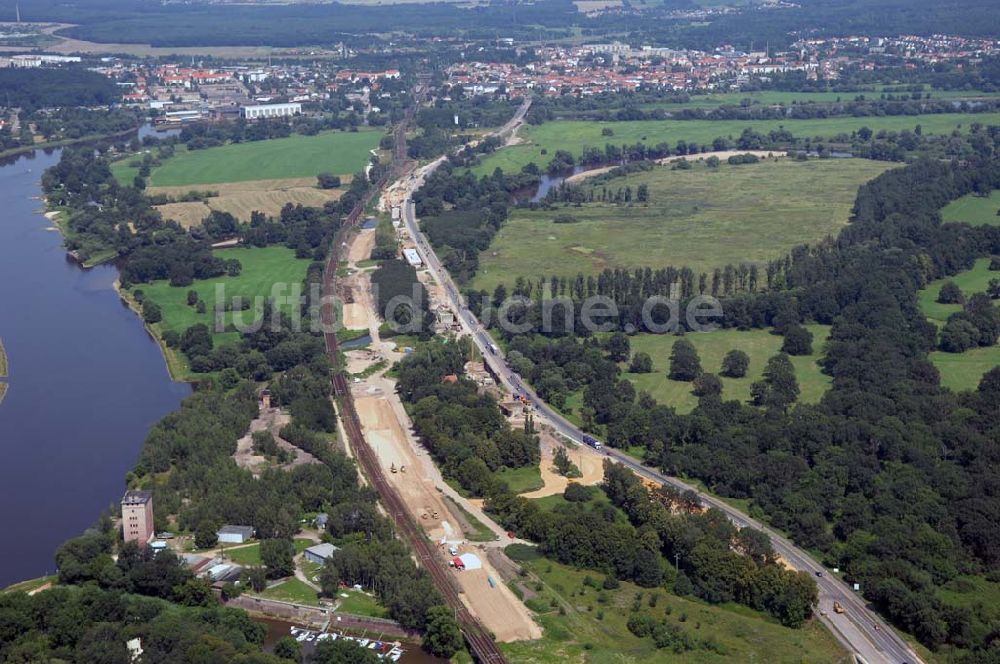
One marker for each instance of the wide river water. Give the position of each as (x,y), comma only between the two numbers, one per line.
(86,383)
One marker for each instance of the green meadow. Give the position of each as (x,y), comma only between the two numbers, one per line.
(574,135)
(971,282)
(960,371)
(262,269)
(280,158)
(974,210)
(760,345)
(701,218)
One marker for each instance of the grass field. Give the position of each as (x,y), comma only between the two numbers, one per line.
(521,480)
(250,554)
(360,604)
(263,268)
(583,624)
(971,282)
(963,371)
(293,157)
(702,218)
(576,135)
(292,590)
(974,210)
(960,371)
(760,345)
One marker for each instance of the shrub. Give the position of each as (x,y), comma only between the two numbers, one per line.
(735,364)
(950,294)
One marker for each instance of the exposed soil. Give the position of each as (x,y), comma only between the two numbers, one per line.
(498,608)
(271,420)
(591,465)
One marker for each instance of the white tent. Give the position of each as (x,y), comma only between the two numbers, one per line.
(471,561)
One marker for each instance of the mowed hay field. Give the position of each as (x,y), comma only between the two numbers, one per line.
(262,269)
(960,371)
(574,135)
(760,345)
(702,218)
(293,157)
(241,199)
(974,210)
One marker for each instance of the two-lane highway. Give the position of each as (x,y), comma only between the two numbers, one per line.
(859,629)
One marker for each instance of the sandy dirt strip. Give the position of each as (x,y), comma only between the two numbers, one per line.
(497,607)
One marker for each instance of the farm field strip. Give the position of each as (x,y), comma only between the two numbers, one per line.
(293,157)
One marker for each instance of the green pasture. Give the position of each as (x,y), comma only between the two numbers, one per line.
(263,268)
(960,371)
(760,345)
(701,218)
(974,210)
(293,157)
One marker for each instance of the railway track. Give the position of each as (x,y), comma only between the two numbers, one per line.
(480,642)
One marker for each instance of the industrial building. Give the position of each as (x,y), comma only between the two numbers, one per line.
(270,111)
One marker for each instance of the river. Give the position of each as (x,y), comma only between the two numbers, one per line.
(86,382)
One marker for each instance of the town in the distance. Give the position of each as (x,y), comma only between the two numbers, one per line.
(500,331)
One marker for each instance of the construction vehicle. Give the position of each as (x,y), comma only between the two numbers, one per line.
(392,469)
(837,608)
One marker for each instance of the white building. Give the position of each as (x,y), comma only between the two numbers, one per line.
(412,257)
(270,111)
(234,534)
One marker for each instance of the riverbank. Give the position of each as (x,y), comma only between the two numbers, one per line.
(176,365)
(52,145)
(3,371)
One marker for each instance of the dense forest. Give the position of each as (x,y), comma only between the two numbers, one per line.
(464,430)
(302,24)
(45,87)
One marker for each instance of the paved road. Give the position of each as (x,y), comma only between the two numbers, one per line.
(860,630)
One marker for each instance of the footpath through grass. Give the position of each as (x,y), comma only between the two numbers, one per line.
(960,371)
(297,156)
(584,624)
(575,135)
(760,345)
(974,210)
(702,218)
